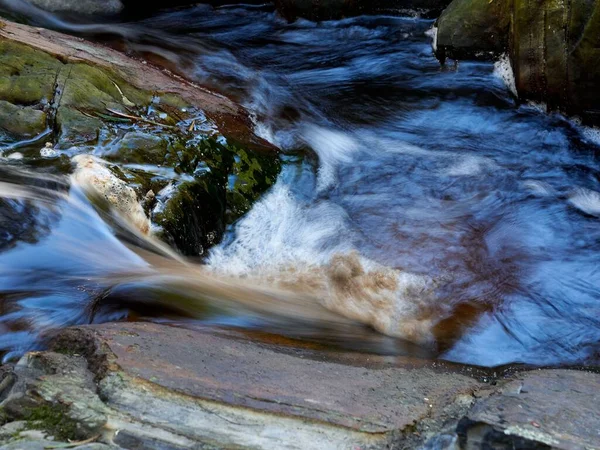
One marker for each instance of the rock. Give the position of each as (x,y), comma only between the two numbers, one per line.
(167,387)
(56,393)
(142,148)
(93,175)
(176,134)
(549,409)
(87,7)
(553,47)
(21,120)
(192,219)
(555,54)
(467,27)
(336,9)
(227,180)
(224,390)
(38,65)
(10,430)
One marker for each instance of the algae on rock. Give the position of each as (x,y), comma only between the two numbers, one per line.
(153,141)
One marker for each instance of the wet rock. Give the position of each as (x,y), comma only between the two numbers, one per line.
(256,394)
(470,27)
(142,148)
(336,9)
(87,7)
(93,175)
(553,47)
(555,55)
(167,387)
(227,180)
(174,133)
(21,121)
(56,394)
(192,219)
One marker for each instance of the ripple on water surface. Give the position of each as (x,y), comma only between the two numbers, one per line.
(481,212)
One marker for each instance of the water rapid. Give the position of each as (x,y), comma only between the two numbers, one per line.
(416,201)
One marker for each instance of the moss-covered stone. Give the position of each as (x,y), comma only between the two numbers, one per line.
(473,27)
(27,76)
(21,121)
(92,108)
(228,180)
(54,420)
(76,128)
(141,148)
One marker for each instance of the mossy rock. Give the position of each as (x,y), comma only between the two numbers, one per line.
(141,148)
(76,128)
(228,180)
(473,28)
(91,108)
(20,120)
(27,76)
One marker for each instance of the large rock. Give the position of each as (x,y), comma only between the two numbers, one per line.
(153,386)
(555,54)
(165,387)
(554,47)
(173,151)
(335,9)
(473,26)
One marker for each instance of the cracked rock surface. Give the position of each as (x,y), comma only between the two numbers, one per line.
(142,385)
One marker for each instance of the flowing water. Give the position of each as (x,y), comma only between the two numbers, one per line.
(430,206)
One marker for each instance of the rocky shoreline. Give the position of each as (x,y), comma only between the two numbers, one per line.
(143,385)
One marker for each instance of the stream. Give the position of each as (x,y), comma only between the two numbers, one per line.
(420,203)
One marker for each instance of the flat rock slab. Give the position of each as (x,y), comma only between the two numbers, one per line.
(558,409)
(242,373)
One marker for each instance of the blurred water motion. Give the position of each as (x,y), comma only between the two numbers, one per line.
(477,217)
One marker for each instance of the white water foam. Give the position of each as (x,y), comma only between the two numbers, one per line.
(333,148)
(503,70)
(433,33)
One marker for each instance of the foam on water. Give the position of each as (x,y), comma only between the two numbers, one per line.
(503,70)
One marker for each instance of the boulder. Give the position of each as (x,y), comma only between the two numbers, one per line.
(554,47)
(155,133)
(145,385)
(555,54)
(467,27)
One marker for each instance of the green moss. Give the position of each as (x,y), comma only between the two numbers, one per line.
(468,27)
(21,121)
(228,180)
(141,148)
(76,127)
(27,76)
(54,420)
